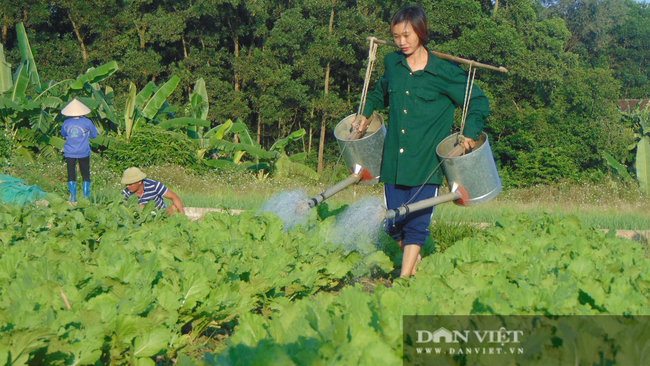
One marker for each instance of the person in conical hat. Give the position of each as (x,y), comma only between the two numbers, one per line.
(77,131)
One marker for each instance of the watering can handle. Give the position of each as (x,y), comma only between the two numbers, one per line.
(357,134)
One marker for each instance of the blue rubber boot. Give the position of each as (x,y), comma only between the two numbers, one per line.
(72,187)
(86,188)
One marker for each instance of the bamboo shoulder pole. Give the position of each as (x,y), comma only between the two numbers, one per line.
(449,57)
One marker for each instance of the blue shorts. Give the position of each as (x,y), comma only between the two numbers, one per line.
(414,227)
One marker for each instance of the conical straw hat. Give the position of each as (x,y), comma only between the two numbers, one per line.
(75,109)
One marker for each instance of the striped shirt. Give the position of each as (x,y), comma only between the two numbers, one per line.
(153,190)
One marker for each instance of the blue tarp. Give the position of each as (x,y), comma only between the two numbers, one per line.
(17,191)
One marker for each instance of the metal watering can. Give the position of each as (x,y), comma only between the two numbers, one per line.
(362,155)
(472,177)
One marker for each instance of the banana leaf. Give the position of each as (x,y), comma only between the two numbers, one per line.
(129,108)
(29,109)
(280,145)
(145,94)
(8,107)
(643,164)
(244,136)
(54,141)
(52,102)
(108,111)
(21,80)
(25,153)
(41,121)
(298,157)
(26,53)
(203,105)
(103,140)
(94,75)
(220,163)
(285,167)
(257,152)
(158,99)
(219,131)
(183,121)
(6,81)
(618,168)
(91,103)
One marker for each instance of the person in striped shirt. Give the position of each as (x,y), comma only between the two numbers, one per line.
(149,190)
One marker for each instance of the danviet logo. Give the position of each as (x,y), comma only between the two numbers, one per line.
(483,342)
(482,336)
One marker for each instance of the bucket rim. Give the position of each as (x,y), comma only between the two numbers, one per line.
(381,127)
(455,134)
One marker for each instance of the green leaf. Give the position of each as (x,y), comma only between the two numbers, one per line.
(108,109)
(244,135)
(220,163)
(183,121)
(4,354)
(151,342)
(21,80)
(219,131)
(159,98)
(281,144)
(144,361)
(6,82)
(204,105)
(94,75)
(105,141)
(643,164)
(298,157)
(89,102)
(617,167)
(129,108)
(54,141)
(26,53)
(8,106)
(144,94)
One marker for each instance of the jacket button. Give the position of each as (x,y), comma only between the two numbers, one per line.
(405,112)
(401,150)
(407,92)
(402,131)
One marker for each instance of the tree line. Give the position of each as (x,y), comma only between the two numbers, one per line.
(282,65)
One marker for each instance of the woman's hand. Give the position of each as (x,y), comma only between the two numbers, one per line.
(468,144)
(361,122)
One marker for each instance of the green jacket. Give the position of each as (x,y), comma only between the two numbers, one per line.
(421,114)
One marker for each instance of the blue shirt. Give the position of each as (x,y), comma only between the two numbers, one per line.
(77,132)
(153,190)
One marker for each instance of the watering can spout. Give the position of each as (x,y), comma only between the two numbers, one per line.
(355,177)
(458,194)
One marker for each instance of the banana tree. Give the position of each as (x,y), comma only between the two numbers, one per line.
(31,115)
(638,161)
(146,105)
(274,161)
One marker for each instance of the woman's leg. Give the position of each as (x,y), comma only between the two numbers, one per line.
(72,178)
(410,260)
(84,166)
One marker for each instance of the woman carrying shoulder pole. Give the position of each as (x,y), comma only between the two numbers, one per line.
(423,92)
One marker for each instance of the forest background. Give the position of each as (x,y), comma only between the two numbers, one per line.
(280,66)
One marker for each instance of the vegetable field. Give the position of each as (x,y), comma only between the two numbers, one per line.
(115,285)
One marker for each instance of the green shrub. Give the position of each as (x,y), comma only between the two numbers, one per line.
(151,146)
(6,147)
